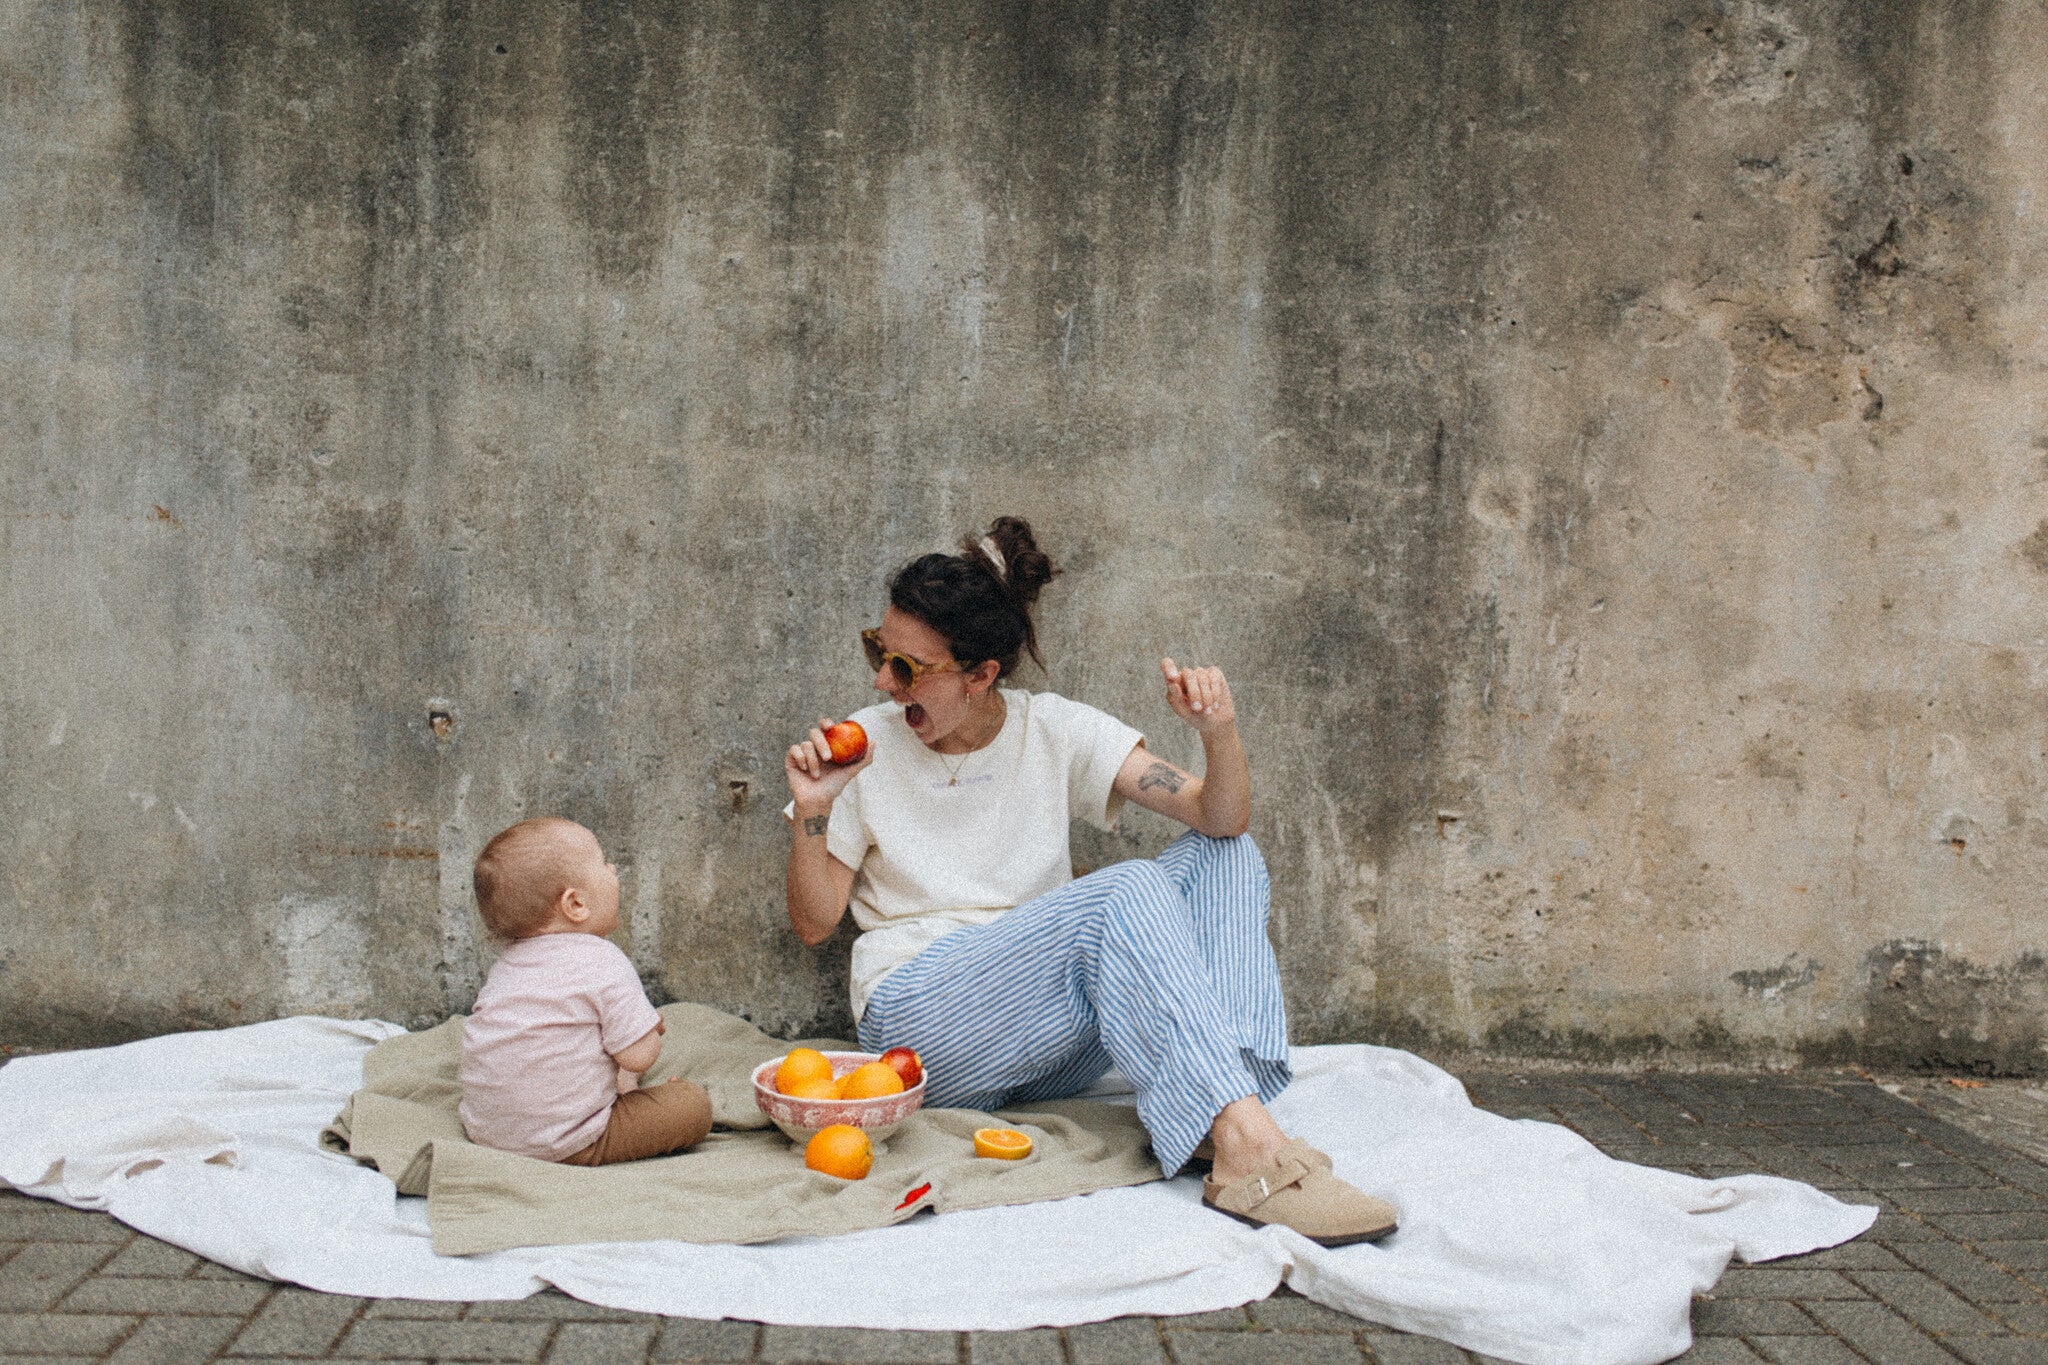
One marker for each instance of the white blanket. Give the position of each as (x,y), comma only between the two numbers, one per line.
(1518,1239)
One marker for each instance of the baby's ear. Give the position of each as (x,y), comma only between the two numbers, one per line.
(571,906)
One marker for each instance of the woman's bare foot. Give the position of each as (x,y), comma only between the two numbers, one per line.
(1246,1139)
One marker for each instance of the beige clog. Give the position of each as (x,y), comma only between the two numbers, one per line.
(1298,1191)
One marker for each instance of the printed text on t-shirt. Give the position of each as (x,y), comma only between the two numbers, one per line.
(939,784)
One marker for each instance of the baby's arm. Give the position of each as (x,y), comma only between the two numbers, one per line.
(639,1056)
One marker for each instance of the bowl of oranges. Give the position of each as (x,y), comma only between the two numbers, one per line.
(809,1090)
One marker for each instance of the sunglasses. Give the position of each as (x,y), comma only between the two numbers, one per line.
(902,667)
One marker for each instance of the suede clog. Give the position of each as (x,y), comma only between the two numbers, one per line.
(1297,1190)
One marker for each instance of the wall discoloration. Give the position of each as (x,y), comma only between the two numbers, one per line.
(1769,983)
(1927,1008)
(2034,549)
(1597,441)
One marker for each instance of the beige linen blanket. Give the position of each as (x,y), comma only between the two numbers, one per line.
(745,1183)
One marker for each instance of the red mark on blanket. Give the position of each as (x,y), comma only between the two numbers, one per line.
(920,1192)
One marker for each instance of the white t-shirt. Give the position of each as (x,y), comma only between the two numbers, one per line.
(939,841)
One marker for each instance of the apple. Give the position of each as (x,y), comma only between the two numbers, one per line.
(906,1064)
(847,741)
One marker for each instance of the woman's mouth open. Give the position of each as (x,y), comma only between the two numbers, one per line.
(913,715)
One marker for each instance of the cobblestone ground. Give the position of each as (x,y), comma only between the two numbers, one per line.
(1956,1268)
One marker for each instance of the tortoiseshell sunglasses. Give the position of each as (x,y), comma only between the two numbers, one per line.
(902,667)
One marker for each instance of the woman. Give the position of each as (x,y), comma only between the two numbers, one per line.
(1015,981)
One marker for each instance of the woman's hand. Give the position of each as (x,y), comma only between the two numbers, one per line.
(1199,696)
(1219,802)
(815,781)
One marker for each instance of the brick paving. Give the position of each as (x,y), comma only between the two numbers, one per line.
(1955,1270)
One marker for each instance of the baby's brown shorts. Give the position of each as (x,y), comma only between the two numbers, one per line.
(651,1122)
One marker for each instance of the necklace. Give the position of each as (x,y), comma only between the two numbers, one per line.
(953,769)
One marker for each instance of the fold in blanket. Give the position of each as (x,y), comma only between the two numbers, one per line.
(747,1184)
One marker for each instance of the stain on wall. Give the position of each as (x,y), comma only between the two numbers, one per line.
(1928,1008)
(1599,443)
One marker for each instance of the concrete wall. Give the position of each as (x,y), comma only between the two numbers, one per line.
(1602,441)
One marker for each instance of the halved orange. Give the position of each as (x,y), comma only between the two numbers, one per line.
(803,1065)
(842,1150)
(1004,1144)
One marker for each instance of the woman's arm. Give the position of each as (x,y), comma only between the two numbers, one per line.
(1219,802)
(817,884)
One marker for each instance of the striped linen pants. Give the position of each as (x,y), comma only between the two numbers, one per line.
(1159,967)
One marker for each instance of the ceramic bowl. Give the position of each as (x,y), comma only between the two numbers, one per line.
(801,1119)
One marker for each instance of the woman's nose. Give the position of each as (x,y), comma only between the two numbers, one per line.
(883,682)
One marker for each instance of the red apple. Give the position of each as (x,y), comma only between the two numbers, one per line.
(847,741)
(906,1064)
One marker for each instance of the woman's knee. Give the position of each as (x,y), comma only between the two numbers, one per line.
(1242,853)
(1196,854)
(1136,880)
(1139,896)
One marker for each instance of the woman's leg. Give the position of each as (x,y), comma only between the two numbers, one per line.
(1227,891)
(1039,1003)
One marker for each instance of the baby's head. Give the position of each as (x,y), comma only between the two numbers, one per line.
(546,876)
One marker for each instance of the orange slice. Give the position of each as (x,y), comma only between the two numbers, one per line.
(1004,1144)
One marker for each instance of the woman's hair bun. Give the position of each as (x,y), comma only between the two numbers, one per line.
(980,601)
(1025,568)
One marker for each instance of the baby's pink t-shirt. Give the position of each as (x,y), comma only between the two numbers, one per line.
(537,1072)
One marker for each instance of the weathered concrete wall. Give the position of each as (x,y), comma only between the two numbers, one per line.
(1601,441)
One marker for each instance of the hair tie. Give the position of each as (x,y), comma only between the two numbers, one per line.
(995,556)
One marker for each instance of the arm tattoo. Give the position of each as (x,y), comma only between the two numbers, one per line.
(815,824)
(1161,775)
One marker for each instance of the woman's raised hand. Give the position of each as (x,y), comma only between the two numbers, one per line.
(814,779)
(1199,696)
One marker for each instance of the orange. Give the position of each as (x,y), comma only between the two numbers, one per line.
(803,1064)
(842,1150)
(820,1089)
(870,1081)
(1004,1144)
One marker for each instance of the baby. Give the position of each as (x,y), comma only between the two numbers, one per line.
(553,1051)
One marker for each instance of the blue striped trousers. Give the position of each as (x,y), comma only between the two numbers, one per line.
(1161,968)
